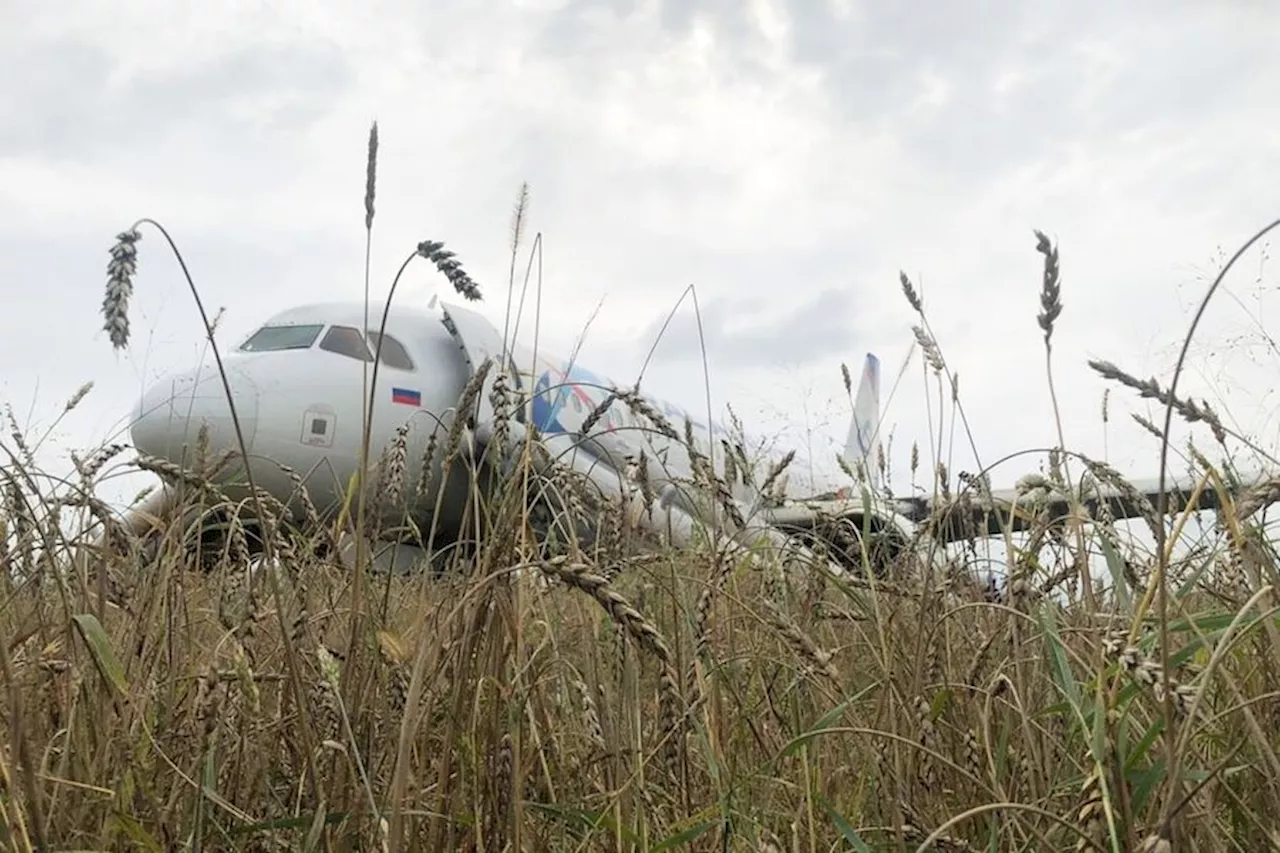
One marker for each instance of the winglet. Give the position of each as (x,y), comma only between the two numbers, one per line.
(862,446)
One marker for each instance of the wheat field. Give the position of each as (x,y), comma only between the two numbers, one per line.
(170,692)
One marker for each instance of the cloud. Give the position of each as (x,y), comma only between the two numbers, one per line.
(753,332)
(785,160)
(251,91)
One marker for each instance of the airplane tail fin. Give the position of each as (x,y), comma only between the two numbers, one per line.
(862,446)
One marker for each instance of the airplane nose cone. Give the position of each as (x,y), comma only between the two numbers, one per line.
(169,416)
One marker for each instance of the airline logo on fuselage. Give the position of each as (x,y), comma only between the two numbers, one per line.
(558,395)
(562,399)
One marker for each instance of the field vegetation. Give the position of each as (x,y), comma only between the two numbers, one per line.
(614,693)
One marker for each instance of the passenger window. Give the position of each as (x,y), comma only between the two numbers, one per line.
(347,341)
(275,338)
(393,352)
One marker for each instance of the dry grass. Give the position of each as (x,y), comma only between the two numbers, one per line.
(605,701)
(600,695)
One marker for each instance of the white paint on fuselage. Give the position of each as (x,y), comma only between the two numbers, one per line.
(280,394)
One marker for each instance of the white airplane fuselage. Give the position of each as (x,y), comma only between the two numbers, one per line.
(298,384)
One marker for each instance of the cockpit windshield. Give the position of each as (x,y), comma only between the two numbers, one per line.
(274,338)
(347,341)
(343,340)
(393,353)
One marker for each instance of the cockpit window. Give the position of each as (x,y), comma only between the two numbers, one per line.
(347,341)
(274,338)
(393,353)
(343,340)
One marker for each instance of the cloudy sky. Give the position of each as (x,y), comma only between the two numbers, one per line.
(785,159)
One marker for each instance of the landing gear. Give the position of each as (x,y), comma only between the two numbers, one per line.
(854,543)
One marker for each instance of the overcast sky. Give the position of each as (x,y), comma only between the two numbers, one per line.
(785,159)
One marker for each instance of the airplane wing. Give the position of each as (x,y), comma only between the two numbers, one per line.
(1018,508)
(1032,502)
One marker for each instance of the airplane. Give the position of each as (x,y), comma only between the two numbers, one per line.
(298,384)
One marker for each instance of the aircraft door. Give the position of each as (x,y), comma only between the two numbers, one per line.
(478,340)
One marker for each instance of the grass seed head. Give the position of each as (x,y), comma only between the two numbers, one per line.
(371,175)
(120,272)
(450,267)
(1050,287)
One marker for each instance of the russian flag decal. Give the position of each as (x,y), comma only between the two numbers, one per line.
(407,396)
